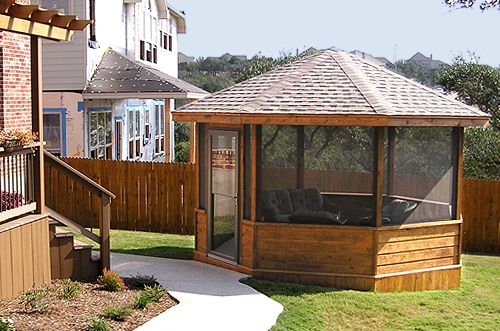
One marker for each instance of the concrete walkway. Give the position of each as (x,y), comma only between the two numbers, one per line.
(210,298)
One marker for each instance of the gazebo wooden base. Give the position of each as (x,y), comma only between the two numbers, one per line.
(413,257)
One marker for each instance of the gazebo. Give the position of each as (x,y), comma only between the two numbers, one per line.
(332,171)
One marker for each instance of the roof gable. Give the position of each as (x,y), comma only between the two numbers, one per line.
(118,76)
(330,86)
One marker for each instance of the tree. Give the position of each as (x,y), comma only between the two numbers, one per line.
(411,70)
(475,84)
(486,4)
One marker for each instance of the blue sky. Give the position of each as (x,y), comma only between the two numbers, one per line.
(394,29)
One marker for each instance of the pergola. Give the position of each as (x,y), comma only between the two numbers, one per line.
(332,171)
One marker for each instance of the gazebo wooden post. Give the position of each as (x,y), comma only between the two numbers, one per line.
(300,157)
(391,150)
(378,174)
(37,120)
(192,140)
(457,159)
(256,170)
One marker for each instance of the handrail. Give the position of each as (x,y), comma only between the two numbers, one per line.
(71,175)
(76,175)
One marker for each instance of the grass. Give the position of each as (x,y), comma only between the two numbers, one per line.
(147,243)
(475,306)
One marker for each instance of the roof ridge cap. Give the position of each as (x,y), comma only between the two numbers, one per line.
(379,104)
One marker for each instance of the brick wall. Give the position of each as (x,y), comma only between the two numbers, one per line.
(15,80)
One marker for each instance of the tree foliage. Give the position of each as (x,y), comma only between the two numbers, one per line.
(411,70)
(482,153)
(486,4)
(475,84)
(212,74)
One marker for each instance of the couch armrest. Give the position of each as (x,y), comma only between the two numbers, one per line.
(330,206)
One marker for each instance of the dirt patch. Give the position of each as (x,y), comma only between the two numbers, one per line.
(74,314)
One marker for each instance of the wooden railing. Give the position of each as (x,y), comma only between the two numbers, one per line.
(78,202)
(17,182)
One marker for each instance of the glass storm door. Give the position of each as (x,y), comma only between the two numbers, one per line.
(223,230)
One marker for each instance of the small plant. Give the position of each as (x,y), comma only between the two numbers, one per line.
(26,137)
(148,295)
(99,324)
(144,280)
(70,290)
(111,281)
(36,299)
(117,313)
(6,324)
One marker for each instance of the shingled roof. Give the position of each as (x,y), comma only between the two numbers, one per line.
(331,88)
(118,76)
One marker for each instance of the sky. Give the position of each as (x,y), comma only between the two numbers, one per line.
(394,29)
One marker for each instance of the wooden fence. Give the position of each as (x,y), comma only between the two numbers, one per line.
(150,196)
(481,214)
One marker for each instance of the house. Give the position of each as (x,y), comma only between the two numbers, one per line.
(379,61)
(109,92)
(425,62)
(25,252)
(332,171)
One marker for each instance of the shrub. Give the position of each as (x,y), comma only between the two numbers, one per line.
(10,200)
(148,295)
(6,324)
(99,324)
(117,314)
(111,281)
(36,299)
(143,280)
(70,290)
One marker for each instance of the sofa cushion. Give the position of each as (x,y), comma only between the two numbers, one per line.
(314,217)
(308,199)
(276,202)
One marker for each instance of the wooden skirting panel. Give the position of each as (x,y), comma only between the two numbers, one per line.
(439,279)
(299,248)
(359,282)
(201,231)
(24,255)
(418,247)
(247,244)
(202,257)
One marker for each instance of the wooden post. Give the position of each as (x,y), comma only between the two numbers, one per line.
(457,159)
(300,157)
(391,150)
(168,121)
(37,121)
(378,174)
(104,229)
(192,140)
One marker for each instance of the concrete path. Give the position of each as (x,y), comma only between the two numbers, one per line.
(210,298)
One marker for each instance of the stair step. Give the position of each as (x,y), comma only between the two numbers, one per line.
(60,233)
(77,245)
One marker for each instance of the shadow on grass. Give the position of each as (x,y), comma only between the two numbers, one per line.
(271,288)
(178,253)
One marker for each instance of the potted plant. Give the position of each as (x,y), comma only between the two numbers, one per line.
(11,139)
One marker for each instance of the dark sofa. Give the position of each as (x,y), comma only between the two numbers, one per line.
(304,206)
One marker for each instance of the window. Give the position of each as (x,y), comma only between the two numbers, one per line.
(100,134)
(134,134)
(52,132)
(149,38)
(62,5)
(160,128)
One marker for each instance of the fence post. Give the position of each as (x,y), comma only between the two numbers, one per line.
(104,228)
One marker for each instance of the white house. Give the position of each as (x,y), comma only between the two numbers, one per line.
(108,93)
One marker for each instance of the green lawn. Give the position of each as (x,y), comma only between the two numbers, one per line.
(475,306)
(147,243)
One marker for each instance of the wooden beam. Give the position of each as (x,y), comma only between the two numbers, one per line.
(391,150)
(62,21)
(104,231)
(44,16)
(22,11)
(378,174)
(192,140)
(5,5)
(300,157)
(37,120)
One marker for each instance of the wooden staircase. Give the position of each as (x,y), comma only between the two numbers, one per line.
(76,201)
(70,258)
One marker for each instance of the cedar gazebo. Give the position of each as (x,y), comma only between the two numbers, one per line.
(332,171)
